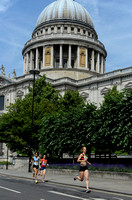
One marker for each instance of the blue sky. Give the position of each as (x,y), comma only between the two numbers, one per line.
(112,20)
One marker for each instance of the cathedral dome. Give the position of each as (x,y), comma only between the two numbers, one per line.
(67,10)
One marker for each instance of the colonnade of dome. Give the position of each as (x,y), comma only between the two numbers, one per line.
(65,42)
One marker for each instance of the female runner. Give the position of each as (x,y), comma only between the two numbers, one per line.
(83,160)
(36,162)
(44,164)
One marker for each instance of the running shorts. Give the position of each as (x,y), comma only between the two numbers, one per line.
(43,168)
(35,166)
(82,169)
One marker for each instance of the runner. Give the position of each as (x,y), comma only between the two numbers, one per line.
(36,161)
(83,160)
(44,164)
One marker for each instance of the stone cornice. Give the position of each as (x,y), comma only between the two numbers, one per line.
(54,22)
(64,39)
(92,80)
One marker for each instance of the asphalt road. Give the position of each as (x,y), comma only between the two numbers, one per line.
(22,189)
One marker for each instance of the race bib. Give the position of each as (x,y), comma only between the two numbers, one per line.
(36,163)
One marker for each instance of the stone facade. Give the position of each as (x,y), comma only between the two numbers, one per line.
(65,47)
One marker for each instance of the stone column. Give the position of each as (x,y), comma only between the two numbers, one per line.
(27,63)
(52,56)
(61,56)
(86,58)
(92,61)
(69,66)
(43,57)
(24,65)
(37,67)
(78,56)
(31,60)
(102,65)
(98,62)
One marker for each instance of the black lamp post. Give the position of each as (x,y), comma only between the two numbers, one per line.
(34,72)
(7,160)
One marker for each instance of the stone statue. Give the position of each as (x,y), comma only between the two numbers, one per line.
(2,70)
(14,73)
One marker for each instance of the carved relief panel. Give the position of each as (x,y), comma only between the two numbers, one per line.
(48,56)
(82,57)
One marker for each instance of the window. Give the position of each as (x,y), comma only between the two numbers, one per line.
(78,30)
(84,32)
(41,31)
(89,33)
(52,28)
(65,28)
(72,28)
(2,102)
(46,30)
(58,27)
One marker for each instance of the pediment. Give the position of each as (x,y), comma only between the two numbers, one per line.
(20,93)
(84,95)
(104,91)
(129,85)
(4,81)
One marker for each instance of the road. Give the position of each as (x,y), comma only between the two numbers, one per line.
(24,189)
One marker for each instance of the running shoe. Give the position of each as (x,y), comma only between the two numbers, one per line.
(88,190)
(75,178)
(36,181)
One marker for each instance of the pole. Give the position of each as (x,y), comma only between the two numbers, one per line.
(7,160)
(30,154)
(32,125)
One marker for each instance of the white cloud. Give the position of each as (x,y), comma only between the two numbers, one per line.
(5,4)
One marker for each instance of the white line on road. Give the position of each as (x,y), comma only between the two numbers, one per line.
(4,188)
(75,197)
(67,195)
(117,198)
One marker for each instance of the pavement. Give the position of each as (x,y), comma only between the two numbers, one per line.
(98,183)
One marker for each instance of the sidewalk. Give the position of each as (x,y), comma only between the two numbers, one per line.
(104,184)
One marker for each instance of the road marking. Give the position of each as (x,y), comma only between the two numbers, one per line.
(75,197)
(67,195)
(97,199)
(117,198)
(93,190)
(15,191)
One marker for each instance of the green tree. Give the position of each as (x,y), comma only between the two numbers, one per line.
(16,125)
(67,130)
(114,122)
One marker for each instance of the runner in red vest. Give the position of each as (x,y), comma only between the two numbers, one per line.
(44,164)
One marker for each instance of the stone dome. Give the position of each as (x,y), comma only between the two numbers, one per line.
(67,10)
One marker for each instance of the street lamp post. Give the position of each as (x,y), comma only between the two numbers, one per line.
(34,72)
(7,160)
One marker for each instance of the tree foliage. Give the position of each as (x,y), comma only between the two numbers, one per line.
(16,128)
(114,121)
(65,123)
